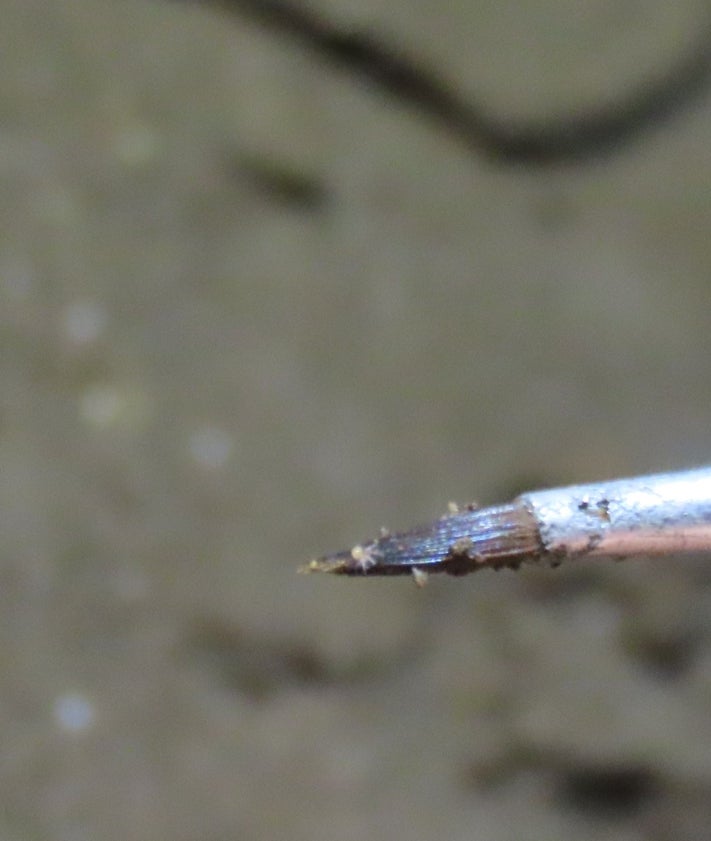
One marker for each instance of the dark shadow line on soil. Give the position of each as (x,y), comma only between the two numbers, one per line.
(538,142)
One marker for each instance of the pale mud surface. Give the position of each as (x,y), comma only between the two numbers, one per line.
(251,311)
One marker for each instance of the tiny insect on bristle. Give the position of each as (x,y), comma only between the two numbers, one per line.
(419,576)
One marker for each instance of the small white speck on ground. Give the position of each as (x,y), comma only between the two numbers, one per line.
(105,405)
(74,712)
(210,446)
(100,405)
(83,322)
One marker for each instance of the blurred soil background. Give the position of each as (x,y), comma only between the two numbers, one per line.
(251,310)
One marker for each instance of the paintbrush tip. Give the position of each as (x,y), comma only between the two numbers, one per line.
(460,542)
(320,565)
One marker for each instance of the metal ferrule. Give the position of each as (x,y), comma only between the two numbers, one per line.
(649,515)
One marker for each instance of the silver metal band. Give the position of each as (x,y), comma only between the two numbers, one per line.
(648,515)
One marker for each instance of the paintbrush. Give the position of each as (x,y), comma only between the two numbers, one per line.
(662,514)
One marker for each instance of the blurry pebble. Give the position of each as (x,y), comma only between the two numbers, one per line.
(107,405)
(83,322)
(210,446)
(101,404)
(74,713)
